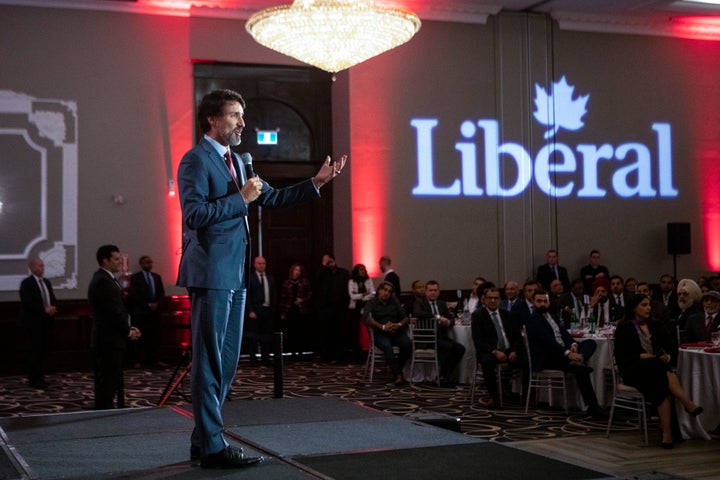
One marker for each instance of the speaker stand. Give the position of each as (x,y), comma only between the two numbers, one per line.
(181,370)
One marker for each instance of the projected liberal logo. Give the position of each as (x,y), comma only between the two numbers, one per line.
(558,169)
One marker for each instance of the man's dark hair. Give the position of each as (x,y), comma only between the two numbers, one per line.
(213,104)
(105,252)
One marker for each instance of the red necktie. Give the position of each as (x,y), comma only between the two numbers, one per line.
(228,162)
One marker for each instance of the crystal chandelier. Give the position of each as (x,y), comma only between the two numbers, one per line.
(332,34)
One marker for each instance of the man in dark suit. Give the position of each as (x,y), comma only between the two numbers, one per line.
(497,339)
(39,307)
(111,328)
(512,295)
(618,298)
(450,352)
(390,275)
(700,326)
(146,294)
(552,347)
(260,311)
(668,295)
(575,300)
(552,271)
(331,298)
(215,194)
(592,271)
(522,308)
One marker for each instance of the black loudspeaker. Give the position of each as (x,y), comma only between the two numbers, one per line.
(678,238)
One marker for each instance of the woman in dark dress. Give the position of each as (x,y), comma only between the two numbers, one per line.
(294,307)
(641,347)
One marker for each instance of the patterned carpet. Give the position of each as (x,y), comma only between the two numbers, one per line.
(69,392)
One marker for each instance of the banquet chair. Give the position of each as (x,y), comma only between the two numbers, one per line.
(544,379)
(424,339)
(374,355)
(627,398)
(500,369)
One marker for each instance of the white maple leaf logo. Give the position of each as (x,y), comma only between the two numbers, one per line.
(558,109)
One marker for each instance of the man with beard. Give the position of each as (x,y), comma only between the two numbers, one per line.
(700,326)
(617,298)
(215,197)
(667,294)
(689,299)
(552,347)
(691,302)
(599,305)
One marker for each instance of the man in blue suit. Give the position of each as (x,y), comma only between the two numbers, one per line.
(214,195)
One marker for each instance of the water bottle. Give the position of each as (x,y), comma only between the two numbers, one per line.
(592,321)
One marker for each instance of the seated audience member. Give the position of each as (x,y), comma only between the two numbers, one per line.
(523,308)
(418,293)
(659,311)
(552,347)
(714,282)
(550,271)
(643,362)
(630,285)
(512,291)
(473,300)
(668,295)
(575,300)
(450,352)
(617,298)
(599,303)
(556,295)
(360,290)
(497,340)
(689,299)
(388,319)
(701,325)
(592,271)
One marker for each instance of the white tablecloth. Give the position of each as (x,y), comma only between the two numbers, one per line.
(463,335)
(599,362)
(699,374)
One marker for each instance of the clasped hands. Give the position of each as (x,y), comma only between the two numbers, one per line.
(134,333)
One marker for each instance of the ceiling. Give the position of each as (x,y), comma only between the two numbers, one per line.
(622,16)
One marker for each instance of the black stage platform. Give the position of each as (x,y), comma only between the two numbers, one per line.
(301,438)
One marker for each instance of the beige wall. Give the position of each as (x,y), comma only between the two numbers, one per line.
(131,76)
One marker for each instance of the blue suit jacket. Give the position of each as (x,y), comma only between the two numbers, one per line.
(216,239)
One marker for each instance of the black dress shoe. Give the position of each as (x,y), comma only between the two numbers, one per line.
(597,412)
(231,457)
(195,452)
(696,412)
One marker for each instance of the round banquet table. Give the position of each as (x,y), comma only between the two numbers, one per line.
(699,374)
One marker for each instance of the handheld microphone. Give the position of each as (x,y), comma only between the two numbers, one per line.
(247,161)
